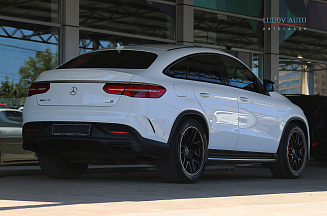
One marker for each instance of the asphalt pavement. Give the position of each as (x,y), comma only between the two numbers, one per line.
(138,190)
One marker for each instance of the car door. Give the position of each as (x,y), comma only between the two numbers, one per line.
(257,110)
(218,102)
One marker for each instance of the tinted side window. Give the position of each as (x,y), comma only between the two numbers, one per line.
(178,70)
(193,73)
(203,67)
(239,76)
(208,68)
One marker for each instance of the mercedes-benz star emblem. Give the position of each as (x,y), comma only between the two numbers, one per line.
(73,91)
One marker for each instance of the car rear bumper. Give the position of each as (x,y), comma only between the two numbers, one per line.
(100,143)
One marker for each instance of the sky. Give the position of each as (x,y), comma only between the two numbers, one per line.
(14,52)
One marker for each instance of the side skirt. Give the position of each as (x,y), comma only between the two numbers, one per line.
(240,156)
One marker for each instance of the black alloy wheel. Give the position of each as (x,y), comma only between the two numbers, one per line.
(292,153)
(296,150)
(188,154)
(192,151)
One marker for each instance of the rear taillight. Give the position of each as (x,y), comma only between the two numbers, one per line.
(120,132)
(38,88)
(29,130)
(135,90)
(114,88)
(144,91)
(315,143)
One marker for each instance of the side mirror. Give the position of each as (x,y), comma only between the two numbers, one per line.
(269,85)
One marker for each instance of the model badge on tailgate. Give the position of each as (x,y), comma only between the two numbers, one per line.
(104,101)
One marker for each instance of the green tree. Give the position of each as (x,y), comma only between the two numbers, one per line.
(7,89)
(13,94)
(32,68)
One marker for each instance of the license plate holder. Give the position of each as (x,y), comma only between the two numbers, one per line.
(71,129)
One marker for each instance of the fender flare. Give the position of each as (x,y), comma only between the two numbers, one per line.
(183,114)
(307,128)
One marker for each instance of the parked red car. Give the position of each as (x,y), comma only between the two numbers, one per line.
(4,106)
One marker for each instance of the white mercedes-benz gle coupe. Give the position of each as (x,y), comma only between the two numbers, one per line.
(175,106)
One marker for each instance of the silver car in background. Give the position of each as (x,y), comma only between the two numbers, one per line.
(11,141)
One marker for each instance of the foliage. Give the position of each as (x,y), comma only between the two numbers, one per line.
(14,93)
(32,68)
(7,88)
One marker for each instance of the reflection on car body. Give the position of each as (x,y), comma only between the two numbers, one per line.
(225,117)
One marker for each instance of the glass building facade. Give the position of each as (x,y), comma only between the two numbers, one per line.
(39,35)
(29,45)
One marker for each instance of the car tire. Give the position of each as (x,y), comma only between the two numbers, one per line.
(57,166)
(187,156)
(292,154)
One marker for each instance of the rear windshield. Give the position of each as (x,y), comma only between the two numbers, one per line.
(124,59)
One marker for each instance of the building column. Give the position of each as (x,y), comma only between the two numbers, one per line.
(271,44)
(311,79)
(247,58)
(185,22)
(69,41)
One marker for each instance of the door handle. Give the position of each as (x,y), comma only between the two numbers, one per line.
(244,99)
(204,94)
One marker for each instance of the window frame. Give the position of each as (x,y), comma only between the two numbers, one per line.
(226,82)
(173,64)
(221,66)
(257,82)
